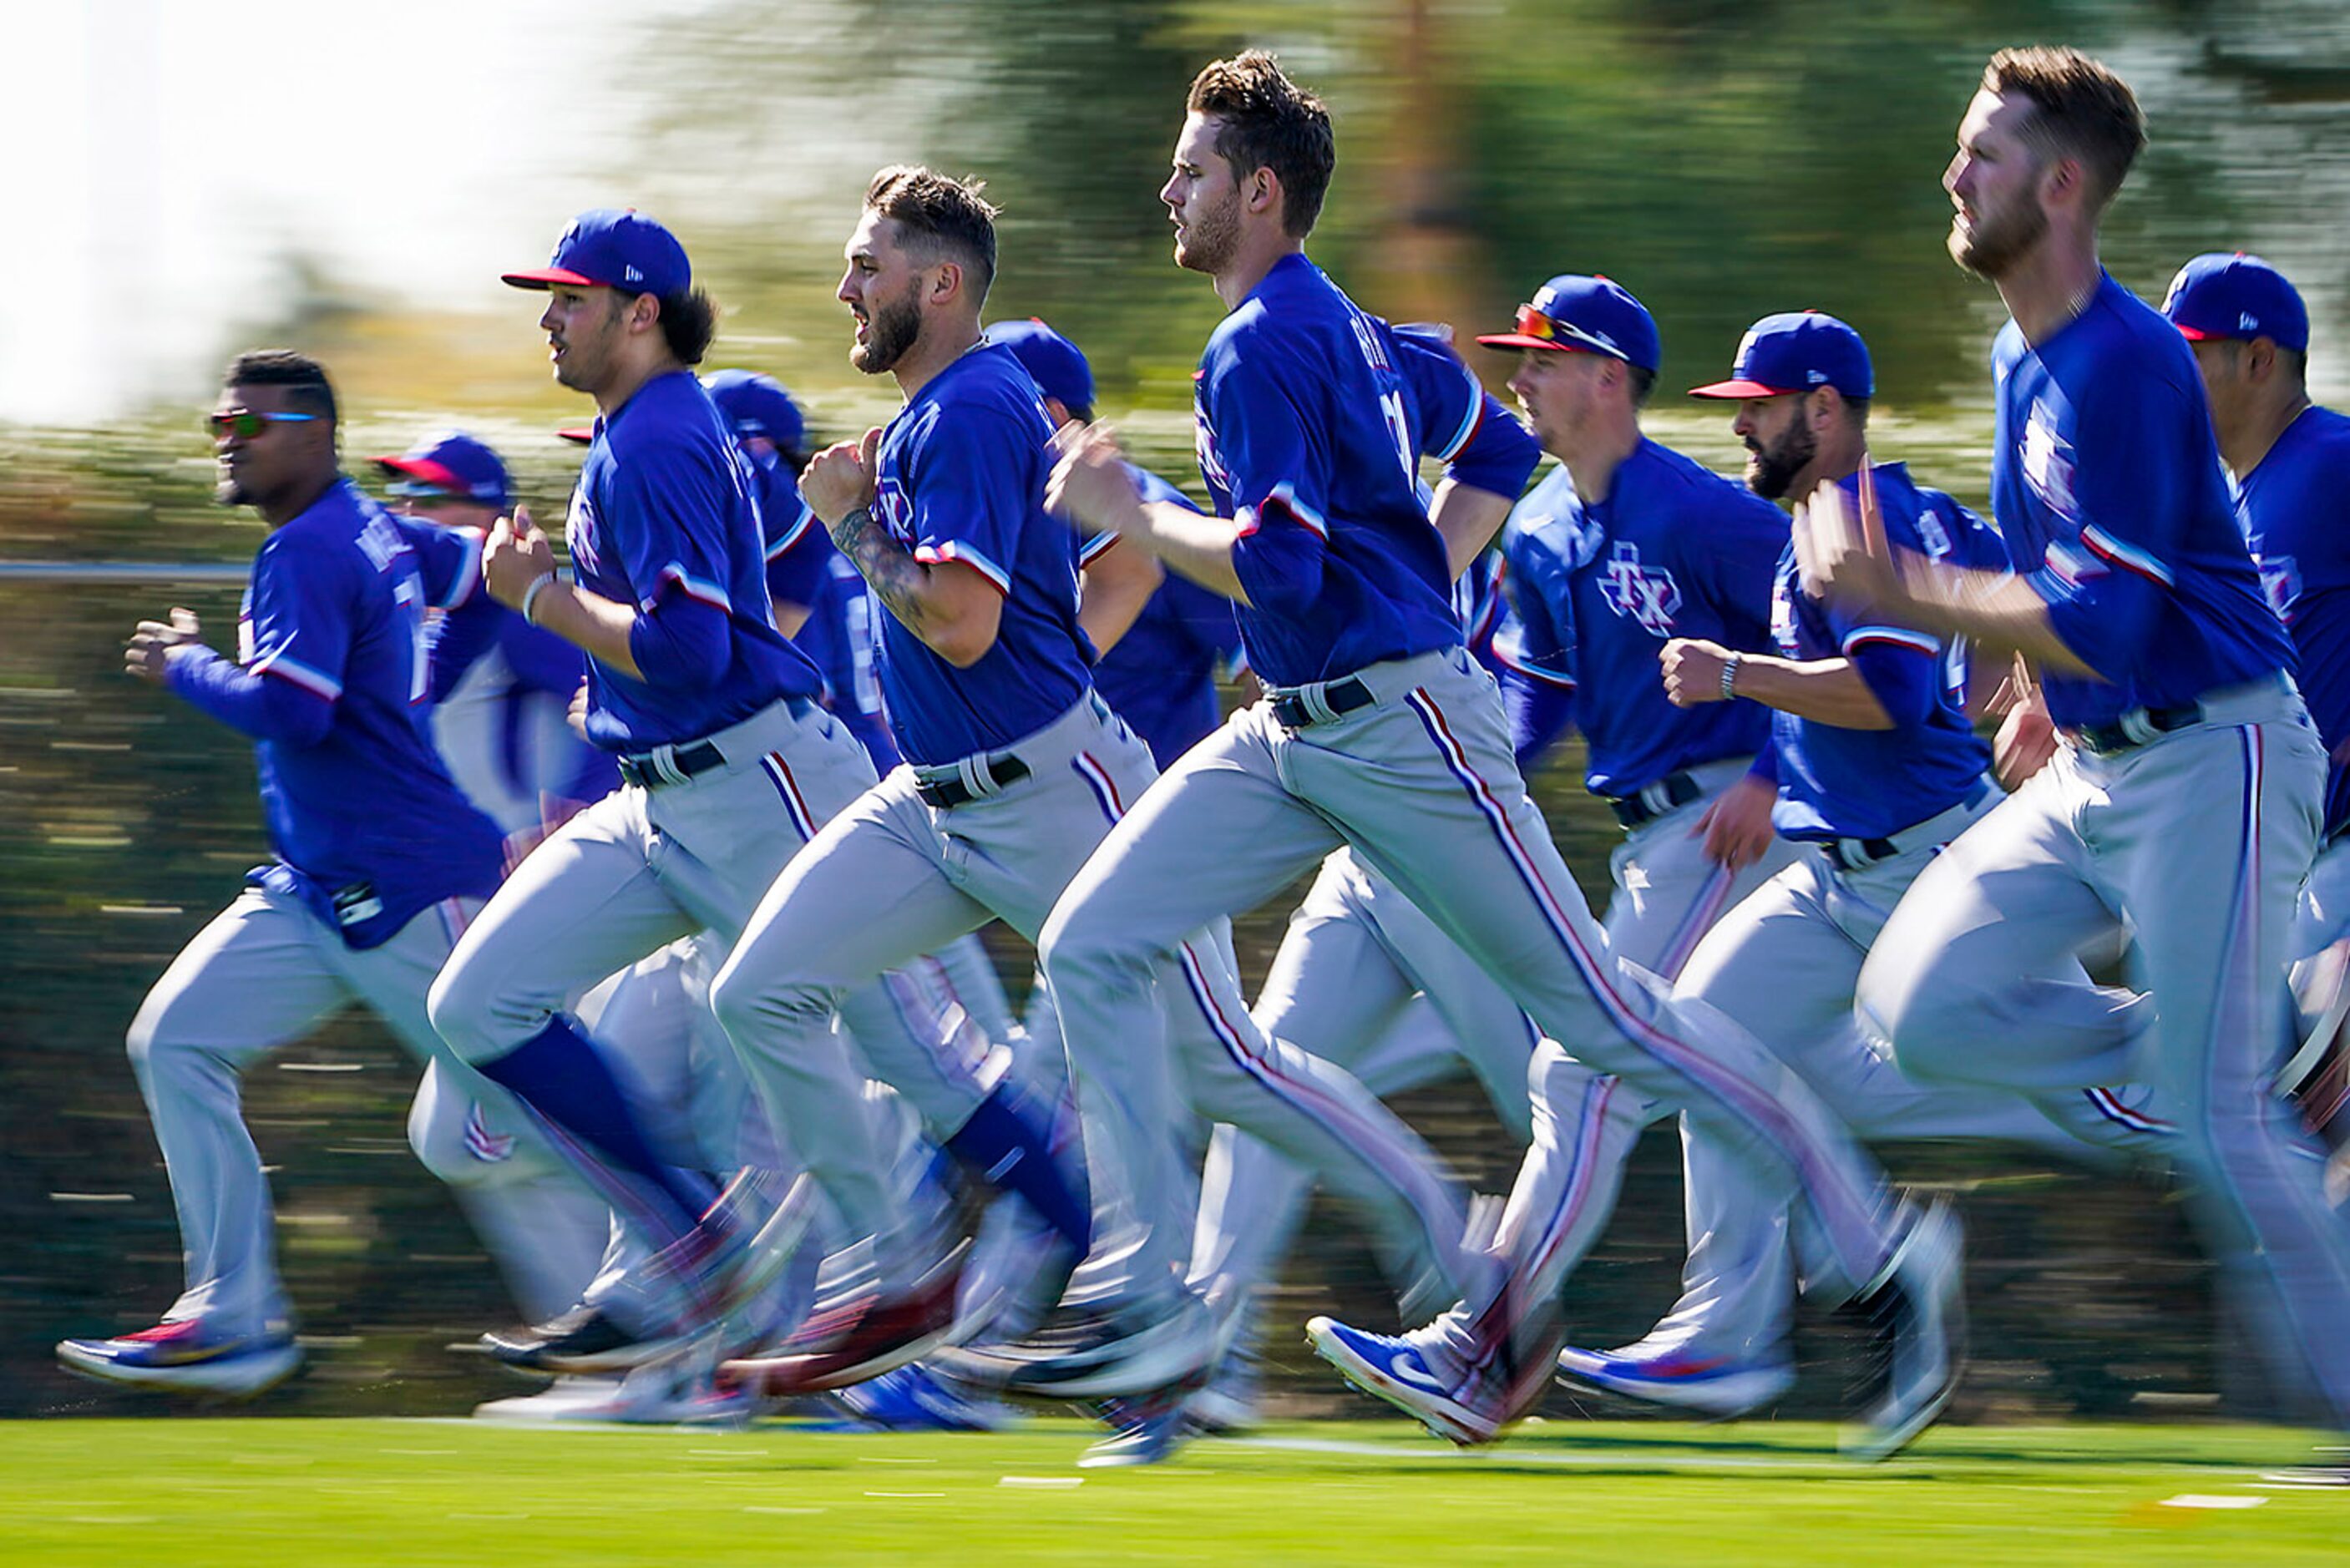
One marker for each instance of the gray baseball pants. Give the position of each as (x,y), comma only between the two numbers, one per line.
(2200,840)
(1423,785)
(892,877)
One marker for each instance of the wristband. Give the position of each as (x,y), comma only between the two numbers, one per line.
(546,580)
(1730,676)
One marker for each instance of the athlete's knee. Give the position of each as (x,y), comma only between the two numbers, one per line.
(1921,1012)
(753,1006)
(157,1047)
(1083,944)
(436,1131)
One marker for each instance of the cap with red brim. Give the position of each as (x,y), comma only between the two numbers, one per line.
(1739,391)
(613,248)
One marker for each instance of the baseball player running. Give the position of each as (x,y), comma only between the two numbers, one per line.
(1015,767)
(729,763)
(2250,333)
(379,859)
(1378,731)
(2184,796)
(1878,767)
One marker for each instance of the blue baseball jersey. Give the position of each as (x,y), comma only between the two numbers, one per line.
(1675,550)
(332,680)
(665,520)
(2294,507)
(1837,782)
(1481,602)
(843,635)
(798,550)
(962,479)
(1160,677)
(2107,482)
(1312,419)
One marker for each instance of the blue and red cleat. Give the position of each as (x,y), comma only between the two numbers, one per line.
(187,1357)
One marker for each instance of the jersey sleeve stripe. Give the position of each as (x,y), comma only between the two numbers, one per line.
(957,551)
(694,588)
(469,576)
(793,534)
(1284,495)
(1095,548)
(2127,556)
(1476,416)
(1513,660)
(311,680)
(1895,636)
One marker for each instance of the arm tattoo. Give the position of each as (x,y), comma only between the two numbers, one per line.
(895,575)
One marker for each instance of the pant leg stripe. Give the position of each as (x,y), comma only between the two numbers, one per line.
(1098,779)
(1593,1116)
(779,774)
(1703,910)
(2109,1105)
(1365,1137)
(1748,1100)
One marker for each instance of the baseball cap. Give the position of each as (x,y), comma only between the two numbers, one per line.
(578,435)
(1584,314)
(1056,364)
(2224,295)
(757,405)
(1794,352)
(450,463)
(614,247)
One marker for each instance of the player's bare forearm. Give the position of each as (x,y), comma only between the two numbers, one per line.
(1466,518)
(1827,690)
(589,621)
(955,613)
(1117,584)
(1193,543)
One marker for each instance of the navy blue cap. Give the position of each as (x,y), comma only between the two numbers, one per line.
(1584,314)
(1056,364)
(757,405)
(614,247)
(1795,352)
(450,463)
(2225,294)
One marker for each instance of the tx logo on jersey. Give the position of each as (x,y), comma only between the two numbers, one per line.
(895,508)
(1211,462)
(1643,594)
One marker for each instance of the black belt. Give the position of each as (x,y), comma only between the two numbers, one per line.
(666,765)
(1646,805)
(2136,728)
(953,790)
(1855,854)
(1321,703)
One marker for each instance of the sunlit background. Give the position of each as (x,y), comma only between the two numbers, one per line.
(349,179)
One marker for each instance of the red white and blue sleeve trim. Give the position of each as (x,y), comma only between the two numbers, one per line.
(1475,418)
(957,551)
(1513,658)
(1285,497)
(316,682)
(469,575)
(2129,557)
(699,589)
(1860,636)
(793,534)
(1093,547)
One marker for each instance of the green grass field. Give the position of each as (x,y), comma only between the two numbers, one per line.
(248,1494)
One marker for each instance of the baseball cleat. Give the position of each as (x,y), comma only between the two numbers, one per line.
(187,1358)
(645,1398)
(1719,1387)
(865,1335)
(1146,1429)
(1392,1368)
(1108,1352)
(913,1399)
(582,1340)
(1924,1304)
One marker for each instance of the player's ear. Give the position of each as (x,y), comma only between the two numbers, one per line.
(947,284)
(1264,191)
